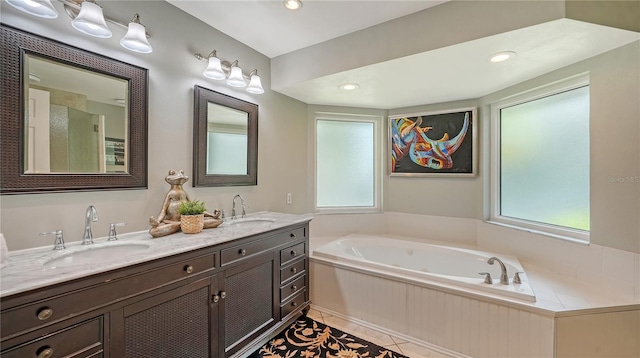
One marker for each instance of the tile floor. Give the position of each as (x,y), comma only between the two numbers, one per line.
(393,343)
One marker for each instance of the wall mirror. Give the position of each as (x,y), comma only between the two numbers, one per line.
(225,150)
(71,119)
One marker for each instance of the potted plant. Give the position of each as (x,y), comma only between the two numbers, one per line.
(192,216)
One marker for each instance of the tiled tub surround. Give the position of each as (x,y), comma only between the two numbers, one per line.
(571,317)
(25,270)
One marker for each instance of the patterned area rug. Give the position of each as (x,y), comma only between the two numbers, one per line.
(310,339)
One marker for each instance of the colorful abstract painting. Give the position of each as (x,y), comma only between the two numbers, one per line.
(435,143)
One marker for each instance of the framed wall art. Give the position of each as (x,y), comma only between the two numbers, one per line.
(440,143)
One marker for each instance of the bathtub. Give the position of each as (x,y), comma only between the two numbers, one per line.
(437,265)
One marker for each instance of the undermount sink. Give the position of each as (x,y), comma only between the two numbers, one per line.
(249,222)
(94,254)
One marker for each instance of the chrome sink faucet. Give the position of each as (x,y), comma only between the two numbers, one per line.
(91,216)
(233,210)
(504,279)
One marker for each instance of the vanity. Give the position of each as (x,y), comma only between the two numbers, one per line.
(218,293)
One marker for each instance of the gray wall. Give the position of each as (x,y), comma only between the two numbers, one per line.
(173,72)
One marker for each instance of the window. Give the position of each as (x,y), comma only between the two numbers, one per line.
(347,163)
(540,160)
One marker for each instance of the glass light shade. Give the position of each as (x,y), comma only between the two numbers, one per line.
(90,21)
(214,69)
(235,78)
(136,39)
(255,85)
(40,8)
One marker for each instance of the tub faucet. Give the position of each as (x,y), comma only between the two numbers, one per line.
(233,210)
(90,216)
(504,279)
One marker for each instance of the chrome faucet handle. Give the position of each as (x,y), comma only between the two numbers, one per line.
(487,277)
(113,236)
(516,277)
(58,243)
(222,214)
(244,211)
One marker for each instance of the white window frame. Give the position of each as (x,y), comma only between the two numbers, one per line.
(574,235)
(377,162)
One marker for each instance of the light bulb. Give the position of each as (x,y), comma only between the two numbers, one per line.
(40,8)
(255,84)
(236,79)
(90,21)
(214,69)
(136,37)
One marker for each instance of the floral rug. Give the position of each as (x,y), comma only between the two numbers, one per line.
(310,339)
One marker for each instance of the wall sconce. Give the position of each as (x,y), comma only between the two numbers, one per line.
(88,18)
(219,70)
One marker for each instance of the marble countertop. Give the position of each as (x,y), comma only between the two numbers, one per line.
(29,269)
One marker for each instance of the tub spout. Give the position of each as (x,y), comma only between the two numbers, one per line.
(504,278)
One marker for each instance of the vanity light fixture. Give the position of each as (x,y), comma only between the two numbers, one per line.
(293,4)
(349,86)
(136,37)
(91,21)
(236,77)
(40,8)
(502,56)
(87,17)
(218,69)
(255,84)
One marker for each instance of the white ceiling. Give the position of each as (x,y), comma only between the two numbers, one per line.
(457,72)
(269,28)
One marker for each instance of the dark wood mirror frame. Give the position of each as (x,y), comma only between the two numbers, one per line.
(15,44)
(203,97)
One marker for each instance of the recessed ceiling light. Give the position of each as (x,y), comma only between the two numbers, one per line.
(293,4)
(349,86)
(502,56)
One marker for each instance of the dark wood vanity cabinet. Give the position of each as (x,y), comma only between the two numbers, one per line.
(212,302)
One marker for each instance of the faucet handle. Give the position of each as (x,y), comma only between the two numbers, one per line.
(222,214)
(58,243)
(112,231)
(487,277)
(516,277)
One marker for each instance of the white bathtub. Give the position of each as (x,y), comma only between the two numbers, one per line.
(431,264)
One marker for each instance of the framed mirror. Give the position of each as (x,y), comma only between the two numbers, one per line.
(225,140)
(71,119)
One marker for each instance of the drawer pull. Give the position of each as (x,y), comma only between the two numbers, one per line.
(294,287)
(45,352)
(188,268)
(216,298)
(223,294)
(45,313)
(294,304)
(294,270)
(243,252)
(293,253)
(293,235)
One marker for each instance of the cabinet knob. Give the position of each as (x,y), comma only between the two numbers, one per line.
(294,304)
(293,235)
(216,298)
(293,253)
(294,287)
(45,313)
(223,294)
(188,268)
(243,252)
(45,352)
(294,270)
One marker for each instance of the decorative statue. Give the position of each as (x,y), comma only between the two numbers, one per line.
(168,221)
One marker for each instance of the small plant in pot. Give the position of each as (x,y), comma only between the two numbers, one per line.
(192,216)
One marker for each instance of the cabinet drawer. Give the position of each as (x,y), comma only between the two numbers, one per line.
(293,270)
(252,248)
(60,307)
(82,340)
(292,305)
(291,253)
(292,288)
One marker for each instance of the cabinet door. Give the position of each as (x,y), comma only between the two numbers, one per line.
(249,307)
(182,322)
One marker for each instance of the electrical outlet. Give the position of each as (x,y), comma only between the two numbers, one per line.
(289,198)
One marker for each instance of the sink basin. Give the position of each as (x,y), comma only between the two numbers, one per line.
(249,222)
(94,254)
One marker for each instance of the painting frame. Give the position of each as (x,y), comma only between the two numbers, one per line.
(445,125)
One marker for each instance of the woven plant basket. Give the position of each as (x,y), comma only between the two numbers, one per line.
(191,224)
